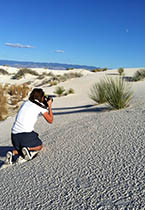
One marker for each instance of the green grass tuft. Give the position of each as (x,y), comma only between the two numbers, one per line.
(97,92)
(116,92)
(59,91)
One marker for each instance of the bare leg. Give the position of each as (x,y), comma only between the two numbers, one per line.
(15,152)
(30,152)
(38,148)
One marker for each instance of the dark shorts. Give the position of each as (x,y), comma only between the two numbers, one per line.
(20,140)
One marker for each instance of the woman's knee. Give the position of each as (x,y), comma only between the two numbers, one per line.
(37,148)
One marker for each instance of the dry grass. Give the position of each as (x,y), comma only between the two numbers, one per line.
(21,73)
(3,105)
(53,82)
(51,79)
(10,97)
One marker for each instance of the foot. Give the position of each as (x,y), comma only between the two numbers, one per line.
(20,159)
(26,153)
(33,154)
(9,157)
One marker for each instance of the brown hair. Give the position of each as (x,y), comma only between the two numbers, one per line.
(37,93)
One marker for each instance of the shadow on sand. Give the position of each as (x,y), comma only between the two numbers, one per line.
(3,152)
(79,109)
(126,78)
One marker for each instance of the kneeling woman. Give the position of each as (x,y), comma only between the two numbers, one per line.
(25,141)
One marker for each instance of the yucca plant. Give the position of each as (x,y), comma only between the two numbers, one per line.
(120,71)
(97,92)
(118,93)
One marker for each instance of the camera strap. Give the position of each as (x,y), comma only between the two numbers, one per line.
(39,104)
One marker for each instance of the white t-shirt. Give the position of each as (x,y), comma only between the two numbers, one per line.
(27,117)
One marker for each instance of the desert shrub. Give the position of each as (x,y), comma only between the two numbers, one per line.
(55,78)
(10,96)
(3,106)
(74,75)
(43,82)
(3,72)
(118,93)
(70,75)
(53,82)
(69,69)
(63,78)
(12,90)
(42,76)
(21,73)
(139,75)
(25,90)
(121,71)
(97,92)
(14,100)
(105,69)
(6,86)
(65,93)
(1,89)
(99,69)
(45,74)
(96,70)
(71,91)
(59,91)
(50,74)
(21,91)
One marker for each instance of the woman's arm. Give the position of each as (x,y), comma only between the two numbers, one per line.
(49,115)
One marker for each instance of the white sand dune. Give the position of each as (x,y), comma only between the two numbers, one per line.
(93,158)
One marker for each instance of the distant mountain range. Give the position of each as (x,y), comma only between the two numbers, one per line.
(29,64)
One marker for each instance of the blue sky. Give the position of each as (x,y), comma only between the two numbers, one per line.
(104,33)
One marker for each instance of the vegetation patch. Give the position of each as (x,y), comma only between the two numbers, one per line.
(139,75)
(97,92)
(121,71)
(3,72)
(99,69)
(55,79)
(60,91)
(10,96)
(116,92)
(21,73)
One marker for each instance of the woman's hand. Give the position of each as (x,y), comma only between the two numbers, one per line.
(50,102)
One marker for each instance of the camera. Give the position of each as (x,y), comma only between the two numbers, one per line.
(47,98)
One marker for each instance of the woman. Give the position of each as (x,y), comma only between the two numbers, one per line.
(25,141)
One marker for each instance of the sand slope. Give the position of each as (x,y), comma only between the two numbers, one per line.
(92,158)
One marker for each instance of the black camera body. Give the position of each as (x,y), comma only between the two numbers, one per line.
(47,98)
